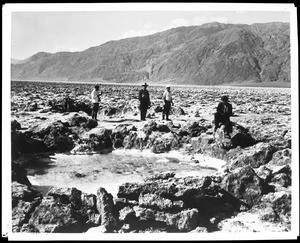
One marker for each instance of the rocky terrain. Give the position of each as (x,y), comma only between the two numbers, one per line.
(209,54)
(249,192)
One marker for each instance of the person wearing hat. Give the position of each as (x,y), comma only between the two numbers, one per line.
(144,99)
(95,95)
(223,114)
(168,101)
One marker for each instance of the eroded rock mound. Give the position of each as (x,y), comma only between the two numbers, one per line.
(15,125)
(272,214)
(70,105)
(22,143)
(24,202)
(180,204)
(19,174)
(238,137)
(255,156)
(58,138)
(62,210)
(244,184)
(105,208)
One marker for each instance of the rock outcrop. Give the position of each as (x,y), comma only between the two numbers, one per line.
(70,105)
(162,203)
(24,202)
(22,143)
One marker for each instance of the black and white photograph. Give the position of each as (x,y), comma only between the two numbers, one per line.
(150,121)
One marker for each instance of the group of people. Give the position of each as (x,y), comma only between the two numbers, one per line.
(145,103)
(221,117)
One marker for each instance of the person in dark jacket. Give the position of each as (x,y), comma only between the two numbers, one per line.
(144,99)
(223,114)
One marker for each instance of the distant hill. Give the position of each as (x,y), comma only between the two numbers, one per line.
(15,61)
(210,54)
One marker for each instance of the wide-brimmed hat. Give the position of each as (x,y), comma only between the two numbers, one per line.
(224,98)
(145,84)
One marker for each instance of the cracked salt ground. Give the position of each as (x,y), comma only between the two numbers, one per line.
(89,172)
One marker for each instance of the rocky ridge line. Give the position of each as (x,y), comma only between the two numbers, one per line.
(210,54)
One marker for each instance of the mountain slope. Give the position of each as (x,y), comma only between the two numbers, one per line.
(209,54)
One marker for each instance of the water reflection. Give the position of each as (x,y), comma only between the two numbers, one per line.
(37,164)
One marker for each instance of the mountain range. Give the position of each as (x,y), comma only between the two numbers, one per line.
(209,54)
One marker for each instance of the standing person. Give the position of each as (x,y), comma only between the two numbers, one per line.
(144,99)
(95,95)
(223,114)
(168,101)
(66,102)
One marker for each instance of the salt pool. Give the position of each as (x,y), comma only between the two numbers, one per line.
(89,172)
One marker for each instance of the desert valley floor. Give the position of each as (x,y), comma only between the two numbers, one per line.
(119,174)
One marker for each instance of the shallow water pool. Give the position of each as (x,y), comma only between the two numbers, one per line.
(89,172)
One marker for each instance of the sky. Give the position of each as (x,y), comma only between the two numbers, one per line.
(58,29)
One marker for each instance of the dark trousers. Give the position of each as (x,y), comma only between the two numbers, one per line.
(167,109)
(143,109)
(66,104)
(221,119)
(95,110)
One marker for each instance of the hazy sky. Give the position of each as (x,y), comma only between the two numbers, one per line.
(53,31)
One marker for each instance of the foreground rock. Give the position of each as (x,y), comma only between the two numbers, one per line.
(162,203)
(19,174)
(176,204)
(62,210)
(244,184)
(272,214)
(105,208)
(24,202)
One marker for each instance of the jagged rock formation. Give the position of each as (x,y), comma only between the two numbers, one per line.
(162,203)
(210,54)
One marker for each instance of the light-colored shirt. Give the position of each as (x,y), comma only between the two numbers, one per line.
(95,96)
(167,96)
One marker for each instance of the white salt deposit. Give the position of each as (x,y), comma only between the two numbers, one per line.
(204,161)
